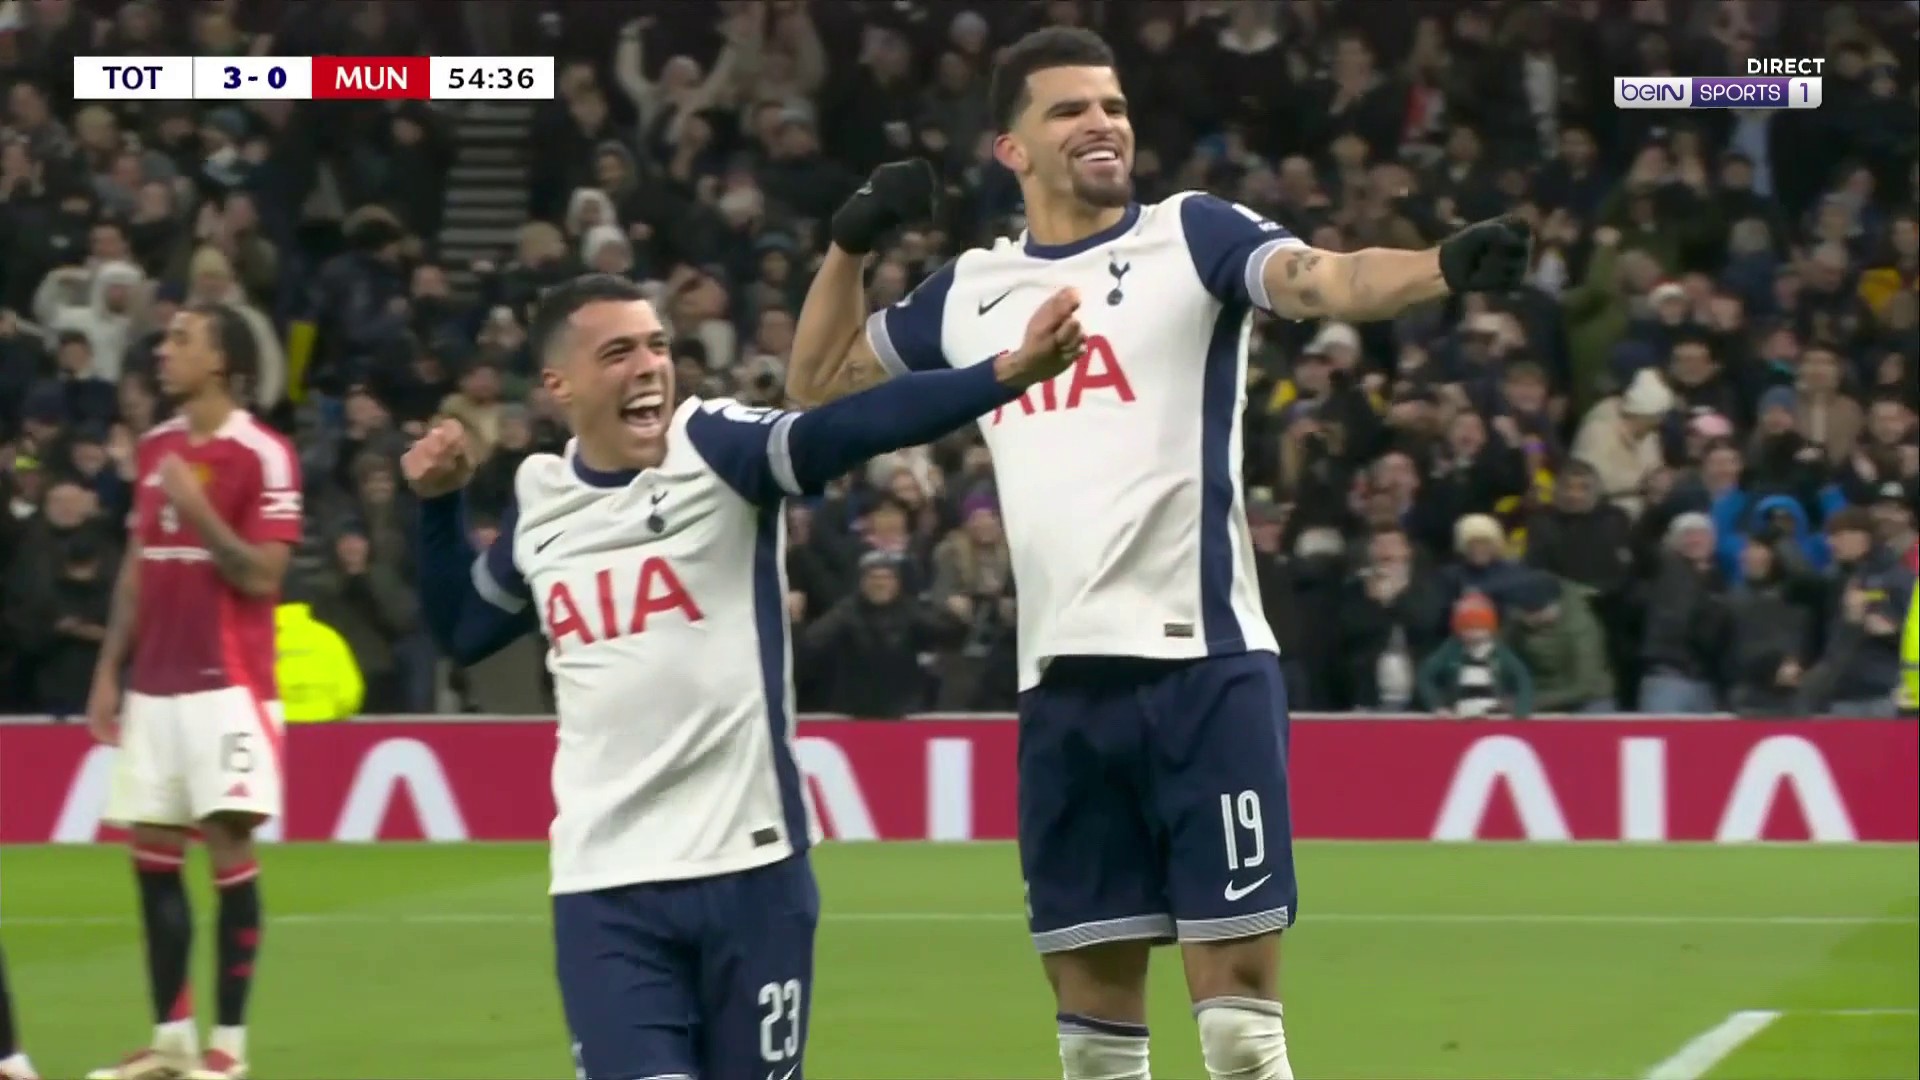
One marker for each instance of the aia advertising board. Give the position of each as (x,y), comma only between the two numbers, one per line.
(1638,779)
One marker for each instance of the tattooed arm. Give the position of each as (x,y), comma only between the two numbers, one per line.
(830,357)
(1359,286)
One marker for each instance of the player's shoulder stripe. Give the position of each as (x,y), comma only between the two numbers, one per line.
(274,452)
(173,426)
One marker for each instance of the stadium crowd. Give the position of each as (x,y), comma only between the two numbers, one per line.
(1676,473)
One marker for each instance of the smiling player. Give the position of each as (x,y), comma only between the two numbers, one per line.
(649,555)
(1153,737)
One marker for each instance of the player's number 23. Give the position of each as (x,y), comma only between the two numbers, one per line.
(781,1000)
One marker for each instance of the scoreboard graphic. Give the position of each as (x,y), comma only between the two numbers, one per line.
(313,78)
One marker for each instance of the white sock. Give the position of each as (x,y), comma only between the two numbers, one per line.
(1243,1039)
(177,1037)
(233,1040)
(1102,1049)
(18,1062)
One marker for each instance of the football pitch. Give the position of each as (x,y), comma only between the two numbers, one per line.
(1429,961)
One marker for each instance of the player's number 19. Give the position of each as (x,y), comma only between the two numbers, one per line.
(276,78)
(1242,813)
(782,1002)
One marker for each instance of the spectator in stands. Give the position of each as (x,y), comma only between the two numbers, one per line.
(973,580)
(1473,674)
(1483,567)
(369,603)
(875,642)
(87,397)
(1553,631)
(58,629)
(1868,599)
(1686,626)
(1392,616)
(1620,439)
(1771,617)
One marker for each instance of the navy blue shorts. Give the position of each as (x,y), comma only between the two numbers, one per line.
(1153,801)
(708,979)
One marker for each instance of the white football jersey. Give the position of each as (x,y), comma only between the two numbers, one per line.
(1120,480)
(662,595)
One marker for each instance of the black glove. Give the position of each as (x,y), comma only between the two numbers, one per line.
(897,193)
(1489,256)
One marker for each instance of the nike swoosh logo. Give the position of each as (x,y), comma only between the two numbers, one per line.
(542,545)
(1236,892)
(989,305)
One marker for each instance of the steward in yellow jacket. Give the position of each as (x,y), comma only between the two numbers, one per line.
(1910,645)
(319,679)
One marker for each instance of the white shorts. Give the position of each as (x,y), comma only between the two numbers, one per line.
(184,757)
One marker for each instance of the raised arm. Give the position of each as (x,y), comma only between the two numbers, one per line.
(833,352)
(830,357)
(470,611)
(473,607)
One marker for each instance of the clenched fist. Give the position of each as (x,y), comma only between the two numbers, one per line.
(898,193)
(439,464)
(1490,256)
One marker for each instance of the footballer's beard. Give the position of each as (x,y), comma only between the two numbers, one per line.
(1102,192)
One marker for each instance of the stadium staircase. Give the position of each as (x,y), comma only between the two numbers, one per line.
(487,188)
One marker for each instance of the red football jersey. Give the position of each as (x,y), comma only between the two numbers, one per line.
(193,631)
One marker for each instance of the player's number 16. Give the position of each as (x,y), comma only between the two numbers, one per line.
(276,77)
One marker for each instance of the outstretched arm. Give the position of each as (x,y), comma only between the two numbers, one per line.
(1242,258)
(768,454)
(825,443)
(1357,286)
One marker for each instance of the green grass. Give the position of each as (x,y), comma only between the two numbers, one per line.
(1409,961)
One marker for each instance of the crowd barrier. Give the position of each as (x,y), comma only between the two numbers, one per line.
(1633,778)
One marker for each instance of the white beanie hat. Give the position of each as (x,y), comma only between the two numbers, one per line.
(1647,396)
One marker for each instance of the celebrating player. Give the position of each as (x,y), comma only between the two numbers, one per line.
(13,1061)
(1153,739)
(650,555)
(216,512)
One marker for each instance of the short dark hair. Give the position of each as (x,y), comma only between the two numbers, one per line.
(1850,519)
(231,336)
(1053,47)
(558,304)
